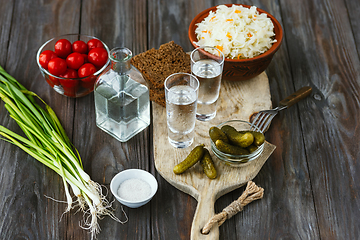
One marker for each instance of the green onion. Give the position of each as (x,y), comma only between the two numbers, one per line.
(48,143)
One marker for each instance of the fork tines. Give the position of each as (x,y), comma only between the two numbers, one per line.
(262,121)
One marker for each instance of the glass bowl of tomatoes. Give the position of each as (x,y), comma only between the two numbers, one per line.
(71,63)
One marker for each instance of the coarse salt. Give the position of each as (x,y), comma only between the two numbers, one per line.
(134,190)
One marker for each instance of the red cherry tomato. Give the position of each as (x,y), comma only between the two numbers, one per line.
(63,48)
(85,58)
(79,46)
(88,82)
(70,85)
(75,60)
(70,73)
(45,57)
(94,43)
(52,81)
(72,91)
(98,56)
(86,70)
(57,66)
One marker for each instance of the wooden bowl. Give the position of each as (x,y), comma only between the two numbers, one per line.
(241,69)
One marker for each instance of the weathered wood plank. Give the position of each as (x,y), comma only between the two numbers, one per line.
(6,9)
(28,213)
(323,54)
(118,24)
(265,218)
(353,8)
(311,182)
(174,210)
(243,224)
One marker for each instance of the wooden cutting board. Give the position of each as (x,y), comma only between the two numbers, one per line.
(238,100)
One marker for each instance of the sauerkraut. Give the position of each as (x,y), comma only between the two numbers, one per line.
(237,31)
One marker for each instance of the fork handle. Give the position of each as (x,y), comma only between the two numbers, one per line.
(296,97)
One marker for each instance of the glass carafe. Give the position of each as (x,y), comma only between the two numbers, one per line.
(121,103)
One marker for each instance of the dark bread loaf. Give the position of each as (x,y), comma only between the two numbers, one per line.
(157,65)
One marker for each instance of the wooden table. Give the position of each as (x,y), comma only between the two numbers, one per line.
(311,181)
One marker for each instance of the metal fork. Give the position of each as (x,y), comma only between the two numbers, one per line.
(264,118)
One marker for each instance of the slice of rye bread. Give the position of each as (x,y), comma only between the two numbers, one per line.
(157,95)
(157,65)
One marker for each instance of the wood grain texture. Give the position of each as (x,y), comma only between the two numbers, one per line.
(238,100)
(311,180)
(114,22)
(287,166)
(6,10)
(168,20)
(353,7)
(326,57)
(29,214)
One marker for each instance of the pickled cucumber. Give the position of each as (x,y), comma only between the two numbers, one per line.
(259,138)
(215,134)
(208,165)
(227,128)
(241,139)
(230,149)
(194,156)
(252,148)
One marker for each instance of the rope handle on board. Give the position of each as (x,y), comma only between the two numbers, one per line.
(251,193)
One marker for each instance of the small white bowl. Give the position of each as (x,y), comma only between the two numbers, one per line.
(130,174)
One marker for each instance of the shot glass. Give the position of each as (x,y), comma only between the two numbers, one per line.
(181,92)
(207,65)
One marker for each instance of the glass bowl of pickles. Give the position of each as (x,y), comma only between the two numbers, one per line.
(235,144)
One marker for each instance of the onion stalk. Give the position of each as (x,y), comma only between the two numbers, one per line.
(48,143)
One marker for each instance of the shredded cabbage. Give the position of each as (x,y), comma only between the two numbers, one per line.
(237,31)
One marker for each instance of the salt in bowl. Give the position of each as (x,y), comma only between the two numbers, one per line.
(137,187)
